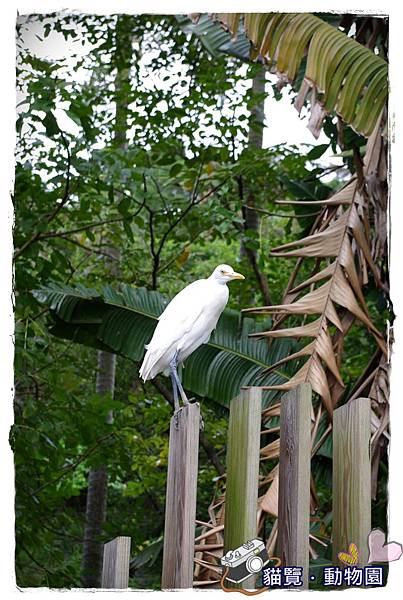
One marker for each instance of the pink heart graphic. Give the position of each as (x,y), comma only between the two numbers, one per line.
(379,550)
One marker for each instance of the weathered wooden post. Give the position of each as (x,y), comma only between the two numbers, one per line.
(294,479)
(180,509)
(115,570)
(243,470)
(352,479)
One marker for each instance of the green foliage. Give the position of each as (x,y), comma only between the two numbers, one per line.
(167,195)
(123,322)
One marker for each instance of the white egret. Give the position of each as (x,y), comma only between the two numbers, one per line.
(185,324)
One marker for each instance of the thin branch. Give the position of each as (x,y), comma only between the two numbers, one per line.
(266,212)
(197,182)
(67,186)
(326,172)
(157,187)
(45,569)
(154,254)
(39,314)
(72,467)
(193,203)
(91,250)
(54,360)
(131,198)
(60,533)
(75,269)
(58,207)
(250,253)
(177,255)
(53,234)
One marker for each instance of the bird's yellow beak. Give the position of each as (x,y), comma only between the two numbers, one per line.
(237,276)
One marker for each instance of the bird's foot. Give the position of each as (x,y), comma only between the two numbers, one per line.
(176,417)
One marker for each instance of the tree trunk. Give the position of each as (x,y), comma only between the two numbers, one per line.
(97,493)
(251,217)
(95,512)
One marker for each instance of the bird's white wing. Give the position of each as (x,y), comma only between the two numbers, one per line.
(186,323)
(180,314)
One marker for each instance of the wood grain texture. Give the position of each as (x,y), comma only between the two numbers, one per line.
(180,509)
(294,479)
(243,453)
(352,478)
(115,570)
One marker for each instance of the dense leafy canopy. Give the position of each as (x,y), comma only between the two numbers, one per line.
(153,161)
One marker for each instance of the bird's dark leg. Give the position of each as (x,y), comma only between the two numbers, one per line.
(174,374)
(175,391)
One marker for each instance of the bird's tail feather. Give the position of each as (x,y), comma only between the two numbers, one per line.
(150,360)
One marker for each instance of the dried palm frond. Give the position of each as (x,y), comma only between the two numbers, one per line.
(335,293)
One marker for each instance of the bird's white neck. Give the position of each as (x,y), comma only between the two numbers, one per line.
(214,279)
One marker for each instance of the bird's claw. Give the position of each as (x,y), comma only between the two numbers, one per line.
(176,417)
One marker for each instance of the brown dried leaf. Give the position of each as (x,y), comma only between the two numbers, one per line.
(311,303)
(299,377)
(309,330)
(376,425)
(318,113)
(323,346)
(379,391)
(326,272)
(271,411)
(357,228)
(322,244)
(194,17)
(272,450)
(332,315)
(344,196)
(269,502)
(373,149)
(303,90)
(305,351)
(311,372)
(317,378)
(346,259)
(207,534)
(342,293)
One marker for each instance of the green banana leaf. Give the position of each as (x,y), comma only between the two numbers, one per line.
(122,321)
(341,75)
(215,39)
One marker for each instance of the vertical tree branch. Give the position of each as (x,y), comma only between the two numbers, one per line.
(95,515)
(246,192)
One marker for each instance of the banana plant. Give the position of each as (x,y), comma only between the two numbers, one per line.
(339,74)
(122,321)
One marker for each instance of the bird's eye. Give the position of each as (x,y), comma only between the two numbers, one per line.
(222,272)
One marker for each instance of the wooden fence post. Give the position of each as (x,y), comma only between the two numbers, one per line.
(352,478)
(243,454)
(294,479)
(180,509)
(115,570)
